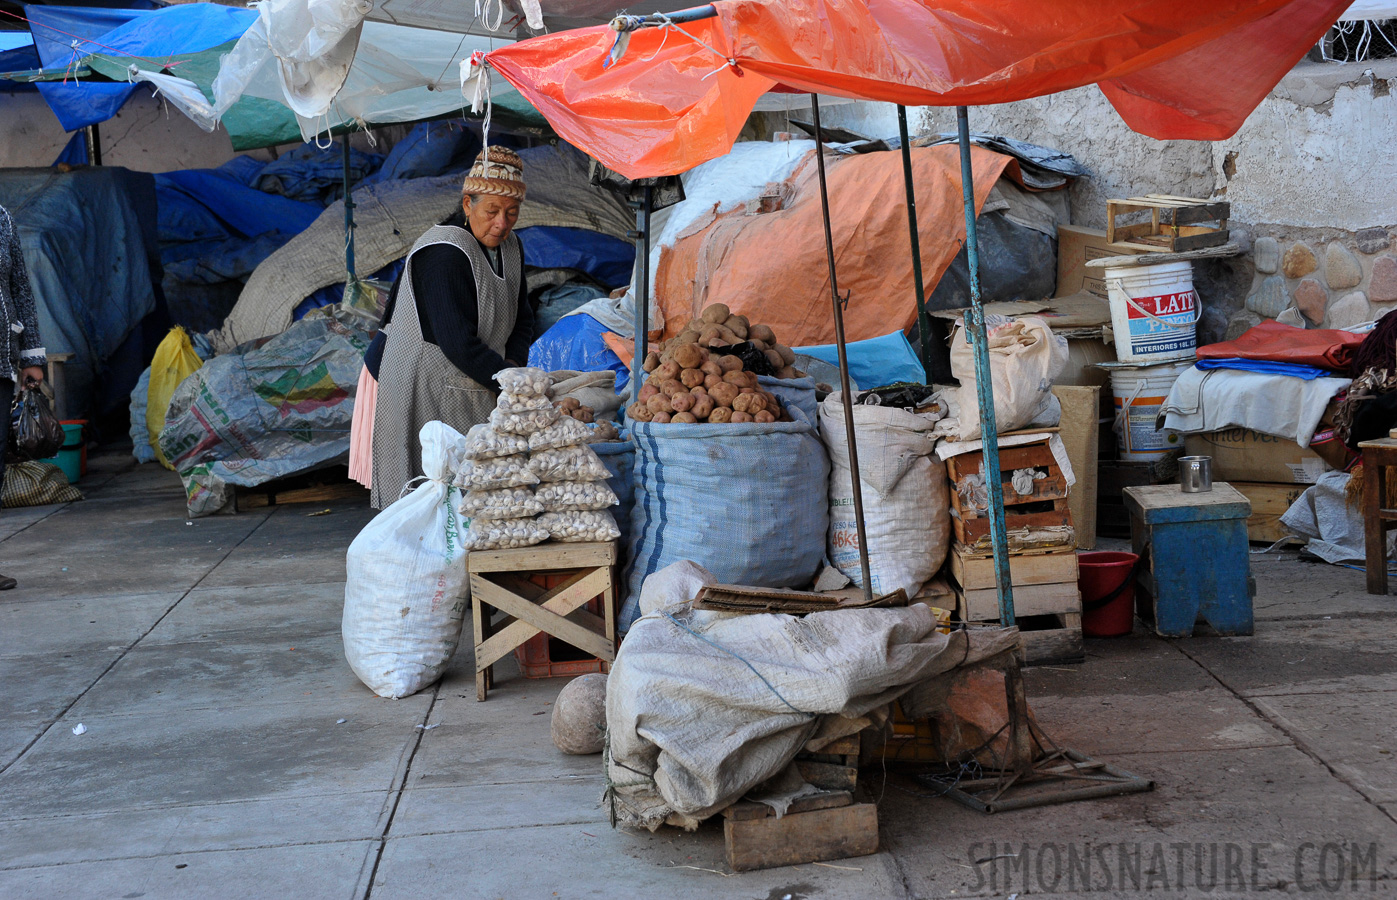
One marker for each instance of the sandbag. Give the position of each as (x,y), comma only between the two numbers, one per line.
(406,589)
(174,361)
(906,497)
(745,501)
(1025,358)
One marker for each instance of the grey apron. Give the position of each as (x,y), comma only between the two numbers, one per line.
(417,384)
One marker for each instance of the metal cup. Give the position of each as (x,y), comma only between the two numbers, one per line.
(1195,474)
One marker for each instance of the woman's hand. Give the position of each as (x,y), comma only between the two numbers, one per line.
(32,375)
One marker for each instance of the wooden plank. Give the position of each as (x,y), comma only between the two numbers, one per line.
(815,836)
(1056,645)
(975,573)
(844,746)
(544,556)
(1155,259)
(828,776)
(1268,503)
(745,810)
(542,618)
(1029,600)
(565,600)
(1021,456)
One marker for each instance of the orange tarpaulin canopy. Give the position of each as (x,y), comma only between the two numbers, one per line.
(1173,69)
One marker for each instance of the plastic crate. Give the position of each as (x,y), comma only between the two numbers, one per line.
(544,656)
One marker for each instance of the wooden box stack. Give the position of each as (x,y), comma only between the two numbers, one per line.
(1042,554)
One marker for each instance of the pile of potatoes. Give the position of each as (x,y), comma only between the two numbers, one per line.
(698,386)
(573,408)
(716,326)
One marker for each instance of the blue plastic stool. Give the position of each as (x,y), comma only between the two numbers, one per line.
(1197,560)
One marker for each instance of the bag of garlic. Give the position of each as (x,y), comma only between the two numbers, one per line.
(590,525)
(406,588)
(504,503)
(565,496)
(578,463)
(502,534)
(484,442)
(524,381)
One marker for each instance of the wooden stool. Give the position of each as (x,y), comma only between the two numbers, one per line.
(499,580)
(1377,520)
(1197,561)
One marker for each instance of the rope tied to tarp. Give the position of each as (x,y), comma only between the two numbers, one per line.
(625,25)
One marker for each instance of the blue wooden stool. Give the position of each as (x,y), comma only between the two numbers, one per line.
(1196,558)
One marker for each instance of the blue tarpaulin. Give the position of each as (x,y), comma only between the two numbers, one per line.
(876,361)
(153,35)
(576,344)
(607,259)
(87,248)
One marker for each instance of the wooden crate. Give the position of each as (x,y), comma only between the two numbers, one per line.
(1052,639)
(1113,477)
(974,570)
(320,486)
(1174,226)
(1268,503)
(1029,600)
(814,829)
(1045,506)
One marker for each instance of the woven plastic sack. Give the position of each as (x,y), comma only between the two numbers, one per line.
(906,496)
(619,459)
(506,503)
(748,502)
(405,590)
(591,525)
(174,361)
(797,392)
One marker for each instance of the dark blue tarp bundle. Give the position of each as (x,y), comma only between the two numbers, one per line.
(88,241)
(604,258)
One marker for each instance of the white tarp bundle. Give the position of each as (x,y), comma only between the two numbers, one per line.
(323,61)
(702,707)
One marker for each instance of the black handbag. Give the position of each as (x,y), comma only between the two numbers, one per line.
(35,432)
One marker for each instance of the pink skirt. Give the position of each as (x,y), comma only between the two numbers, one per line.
(361,430)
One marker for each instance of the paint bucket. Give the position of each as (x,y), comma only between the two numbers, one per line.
(1140,392)
(1106,581)
(1154,312)
(69,458)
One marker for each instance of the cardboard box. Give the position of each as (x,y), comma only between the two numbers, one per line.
(1268,503)
(1076,245)
(1081,433)
(1240,454)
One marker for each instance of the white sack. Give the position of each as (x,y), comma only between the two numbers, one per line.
(674,584)
(406,586)
(1025,358)
(692,726)
(906,501)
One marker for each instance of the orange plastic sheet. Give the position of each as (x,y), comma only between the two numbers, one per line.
(771,267)
(1173,69)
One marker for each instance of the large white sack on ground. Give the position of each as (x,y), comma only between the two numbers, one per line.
(1025,358)
(701,707)
(406,588)
(906,499)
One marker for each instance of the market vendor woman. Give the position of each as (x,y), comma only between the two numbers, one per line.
(457,316)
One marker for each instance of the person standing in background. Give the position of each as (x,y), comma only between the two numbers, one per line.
(458,314)
(24,357)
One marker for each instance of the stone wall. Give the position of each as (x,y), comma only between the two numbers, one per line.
(1311,177)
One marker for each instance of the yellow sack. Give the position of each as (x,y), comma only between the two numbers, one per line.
(174,361)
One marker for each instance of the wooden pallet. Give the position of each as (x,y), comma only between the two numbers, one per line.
(1029,600)
(974,570)
(1173,227)
(1045,506)
(814,829)
(321,486)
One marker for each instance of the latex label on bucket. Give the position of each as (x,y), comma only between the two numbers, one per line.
(1154,312)
(1163,324)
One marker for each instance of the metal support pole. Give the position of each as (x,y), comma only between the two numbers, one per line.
(923,320)
(348,217)
(92,135)
(984,383)
(642,303)
(845,393)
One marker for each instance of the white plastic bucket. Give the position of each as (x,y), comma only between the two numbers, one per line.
(1154,312)
(1140,391)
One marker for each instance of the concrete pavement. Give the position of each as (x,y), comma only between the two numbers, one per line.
(204,659)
